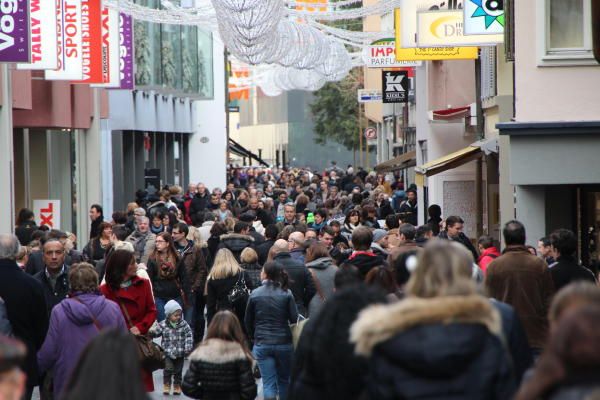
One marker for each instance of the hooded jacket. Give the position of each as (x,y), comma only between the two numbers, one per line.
(365,261)
(487,256)
(72,327)
(236,243)
(323,273)
(439,348)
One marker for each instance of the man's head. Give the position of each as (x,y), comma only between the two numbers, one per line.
(54,255)
(411,194)
(253,203)
(201,188)
(180,232)
(9,246)
(214,199)
(362,237)
(95,212)
(545,247)
(310,234)
(119,233)
(280,246)
(563,242)
(143,224)
(485,242)
(241,227)
(192,188)
(296,241)
(407,233)
(323,186)
(336,227)
(210,216)
(327,236)
(271,232)
(514,233)
(282,197)
(454,226)
(424,232)
(380,236)
(289,212)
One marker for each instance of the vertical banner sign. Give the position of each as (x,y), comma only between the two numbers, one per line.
(395,86)
(110,49)
(43,35)
(91,42)
(69,51)
(14,31)
(126,51)
(483,17)
(47,212)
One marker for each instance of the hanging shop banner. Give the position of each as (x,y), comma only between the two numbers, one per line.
(484,17)
(110,48)
(429,53)
(93,67)
(69,51)
(47,212)
(126,51)
(43,35)
(14,31)
(395,86)
(382,54)
(445,28)
(410,8)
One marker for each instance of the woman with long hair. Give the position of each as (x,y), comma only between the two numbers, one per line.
(133,295)
(166,273)
(351,222)
(443,341)
(223,277)
(97,247)
(221,366)
(107,369)
(320,265)
(271,309)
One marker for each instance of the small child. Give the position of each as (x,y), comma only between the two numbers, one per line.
(177,341)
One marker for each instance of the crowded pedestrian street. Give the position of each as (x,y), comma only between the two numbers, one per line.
(300,200)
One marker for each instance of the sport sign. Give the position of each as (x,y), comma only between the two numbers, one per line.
(14,31)
(69,50)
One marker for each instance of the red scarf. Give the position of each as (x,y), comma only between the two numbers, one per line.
(365,252)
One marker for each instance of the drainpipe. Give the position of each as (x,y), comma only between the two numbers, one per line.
(479,163)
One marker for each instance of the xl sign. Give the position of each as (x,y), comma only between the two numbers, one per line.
(14,31)
(47,212)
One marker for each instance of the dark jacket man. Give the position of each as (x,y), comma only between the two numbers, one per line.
(567,270)
(462,239)
(300,281)
(35,263)
(263,250)
(236,243)
(199,202)
(56,289)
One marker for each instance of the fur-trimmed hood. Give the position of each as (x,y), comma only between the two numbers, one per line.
(218,351)
(380,323)
(237,242)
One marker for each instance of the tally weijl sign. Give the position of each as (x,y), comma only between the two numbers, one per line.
(14,31)
(69,41)
(43,35)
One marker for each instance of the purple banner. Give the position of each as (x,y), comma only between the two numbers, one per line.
(14,31)
(126,51)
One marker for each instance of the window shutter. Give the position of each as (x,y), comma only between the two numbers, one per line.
(488,72)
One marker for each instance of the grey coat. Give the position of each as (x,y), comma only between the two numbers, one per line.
(323,272)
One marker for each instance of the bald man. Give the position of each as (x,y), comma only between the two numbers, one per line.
(296,246)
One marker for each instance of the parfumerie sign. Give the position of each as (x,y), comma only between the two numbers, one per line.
(14,31)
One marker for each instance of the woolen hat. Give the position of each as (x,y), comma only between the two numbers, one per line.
(171,307)
(379,234)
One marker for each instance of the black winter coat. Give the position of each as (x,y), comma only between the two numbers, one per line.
(219,370)
(440,348)
(217,291)
(300,281)
(263,251)
(59,292)
(25,303)
(365,262)
(567,270)
(253,272)
(199,203)
(236,243)
(24,231)
(462,239)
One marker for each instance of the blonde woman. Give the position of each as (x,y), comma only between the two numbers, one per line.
(224,276)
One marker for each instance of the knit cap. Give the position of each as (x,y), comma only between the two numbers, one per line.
(171,307)
(379,234)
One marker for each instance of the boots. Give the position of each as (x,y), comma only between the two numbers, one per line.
(166,389)
(176,389)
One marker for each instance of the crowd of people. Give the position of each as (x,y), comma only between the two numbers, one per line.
(323,285)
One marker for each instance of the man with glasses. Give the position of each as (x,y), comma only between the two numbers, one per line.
(54,278)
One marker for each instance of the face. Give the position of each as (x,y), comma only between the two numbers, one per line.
(543,250)
(106,232)
(179,214)
(253,204)
(161,244)
(166,220)
(327,239)
(333,190)
(214,199)
(94,214)
(261,205)
(218,192)
(354,219)
(54,255)
(384,242)
(201,189)
(282,198)
(131,269)
(290,213)
(223,206)
(192,188)
(143,225)
(177,235)
(318,219)
(412,196)
(310,235)
(175,317)
(157,222)
(230,187)
(323,186)
(335,228)
(228,196)
(455,230)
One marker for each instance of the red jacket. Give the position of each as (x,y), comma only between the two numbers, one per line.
(139,303)
(487,256)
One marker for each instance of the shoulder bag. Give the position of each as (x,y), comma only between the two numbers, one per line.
(239,293)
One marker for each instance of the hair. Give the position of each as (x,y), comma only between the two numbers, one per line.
(514,233)
(347,275)
(116,267)
(453,220)
(381,277)
(225,325)
(423,230)
(574,294)
(210,216)
(572,349)
(240,226)
(23,252)
(351,213)
(108,368)
(170,246)
(444,269)
(486,241)
(229,224)
(335,223)
(224,266)
(9,246)
(182,227)
(327,230)
(123,245)
(362,238)
(271,232)
(316,250)
(56,234)
(434,211)
(120,231)
(392,221)
(408,231)
(12,354)
(322,212)
(275,273)
(83,278)
(218,229)
(119,217)
(98,208)
(401,268)
(103,225)
(248,256)
(25,214)
(564,241)
(546,241)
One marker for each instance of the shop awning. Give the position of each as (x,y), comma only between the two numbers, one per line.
(403,161)
(454,160)
(241,151)
(452,114)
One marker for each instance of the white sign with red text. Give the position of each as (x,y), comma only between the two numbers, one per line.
(43,35)
(382,54)
(47,212)
(69,41)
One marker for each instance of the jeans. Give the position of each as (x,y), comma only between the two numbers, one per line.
(160,306)
(194,315)
(173,369)
(275,364)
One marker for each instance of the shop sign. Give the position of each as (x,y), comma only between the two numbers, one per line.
(93,67)
(446,28)
(395,86)
(369,96)
(126,52)
(430,53)
(484,17)
(14,31)
(408,19)
(47,212)
(382,54)
(69,49)
(43,35)
(110,48)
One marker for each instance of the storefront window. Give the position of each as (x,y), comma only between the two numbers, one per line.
(205,64)
(170,52)
(190,59)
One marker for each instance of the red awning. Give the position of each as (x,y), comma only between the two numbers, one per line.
(449,114)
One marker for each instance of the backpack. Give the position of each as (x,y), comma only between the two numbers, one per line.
(5,325)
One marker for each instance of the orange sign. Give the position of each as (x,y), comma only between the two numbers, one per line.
(91,45)
(234,92)
(315,5)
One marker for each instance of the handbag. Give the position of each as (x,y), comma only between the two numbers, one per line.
(297,329)
(152,356)
(239,293)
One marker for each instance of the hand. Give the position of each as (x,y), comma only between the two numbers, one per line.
(135,331)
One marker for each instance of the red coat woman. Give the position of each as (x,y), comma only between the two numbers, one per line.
(134,294)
